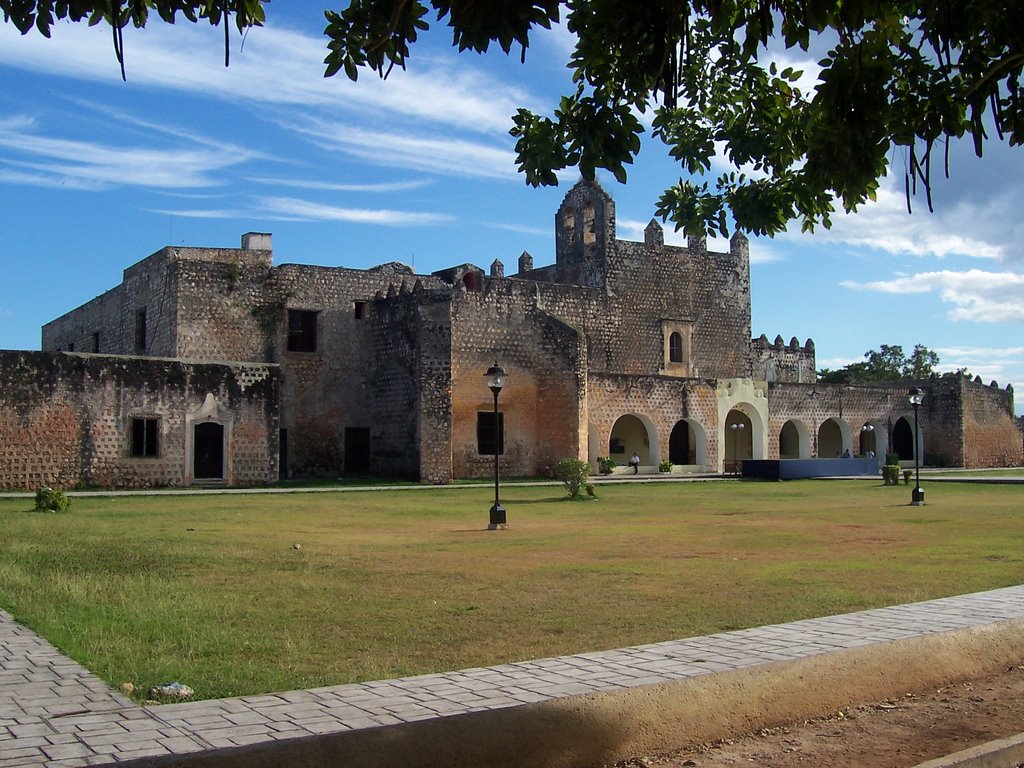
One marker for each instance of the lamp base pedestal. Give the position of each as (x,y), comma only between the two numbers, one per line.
(498,520)
(917,497)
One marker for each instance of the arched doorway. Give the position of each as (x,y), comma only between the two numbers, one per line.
(630,434)
(903,439)
(681,447)
(868,440)
(793,442)
(208,451)
(831,440)
(687,445)
(739,440)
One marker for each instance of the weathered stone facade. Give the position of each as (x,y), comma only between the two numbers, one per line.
(69,419)
(616,347)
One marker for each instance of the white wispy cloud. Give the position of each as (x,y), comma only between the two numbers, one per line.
(276,66)
(200,213)
(445,155)
(97,165)
(330,186)
(46,180)
(977,296)
(885,225)
(520,228)
(306,210)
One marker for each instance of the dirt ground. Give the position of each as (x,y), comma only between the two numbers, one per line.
(896,733)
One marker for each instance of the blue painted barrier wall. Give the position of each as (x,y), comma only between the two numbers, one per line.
(793,469)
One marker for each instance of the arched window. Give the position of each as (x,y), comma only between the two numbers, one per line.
(589,236)
(675,348)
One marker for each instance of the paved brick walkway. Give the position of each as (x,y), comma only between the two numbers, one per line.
(55,713)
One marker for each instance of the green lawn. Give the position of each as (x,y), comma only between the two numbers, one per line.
(212,591)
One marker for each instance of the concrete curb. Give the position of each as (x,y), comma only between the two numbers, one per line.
(597,729)
(1002,753)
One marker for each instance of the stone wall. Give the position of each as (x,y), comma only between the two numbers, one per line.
(645,286)
(66,419)
(661,402)
(990,435)
(778,361)
(543,402)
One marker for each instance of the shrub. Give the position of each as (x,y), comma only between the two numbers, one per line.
(892,458)
(605,464)
(665,466)
(50,500)
(591,491)
(573,473)
(891,474)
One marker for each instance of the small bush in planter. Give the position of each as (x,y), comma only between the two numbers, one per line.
(605,464)
(51,500)
(665,466)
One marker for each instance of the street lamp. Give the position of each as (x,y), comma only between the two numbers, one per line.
(917,495)
(495,378)
(735,445)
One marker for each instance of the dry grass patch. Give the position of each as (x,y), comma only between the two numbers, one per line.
(212,591)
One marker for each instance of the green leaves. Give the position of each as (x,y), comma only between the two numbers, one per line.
(589,131)
(887,363)
(900,75)
(372,34)
(377,33)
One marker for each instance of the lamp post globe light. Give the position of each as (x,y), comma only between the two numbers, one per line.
(735,445)
(495,378)
(916,396)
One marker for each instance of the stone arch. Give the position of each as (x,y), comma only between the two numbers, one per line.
(903,439)
(589,218)
(634,432)
(794,440)
(873,438)
(834,438)
(739,439)
(750,398)
(688,444)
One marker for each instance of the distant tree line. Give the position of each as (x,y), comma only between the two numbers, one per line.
(887,363)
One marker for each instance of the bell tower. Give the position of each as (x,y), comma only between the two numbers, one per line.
(584,230)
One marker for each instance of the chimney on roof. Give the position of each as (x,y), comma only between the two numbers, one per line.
(257,241)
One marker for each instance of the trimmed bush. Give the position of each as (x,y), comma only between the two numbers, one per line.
(605,464)
(50,500)
(665,466)
(891,474)
(573,473)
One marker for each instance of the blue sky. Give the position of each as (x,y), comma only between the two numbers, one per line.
(96,173)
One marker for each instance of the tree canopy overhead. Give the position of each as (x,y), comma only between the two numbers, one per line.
(900,79)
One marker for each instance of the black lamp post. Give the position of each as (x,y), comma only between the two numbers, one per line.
(917,496)
(735,445)
(495,378)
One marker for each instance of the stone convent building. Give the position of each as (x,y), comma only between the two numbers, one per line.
(217,366)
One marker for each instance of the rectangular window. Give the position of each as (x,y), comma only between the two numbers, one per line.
(144,437)
(360,310)
(96,342)
(486,434)
(301,330)
(140,330)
